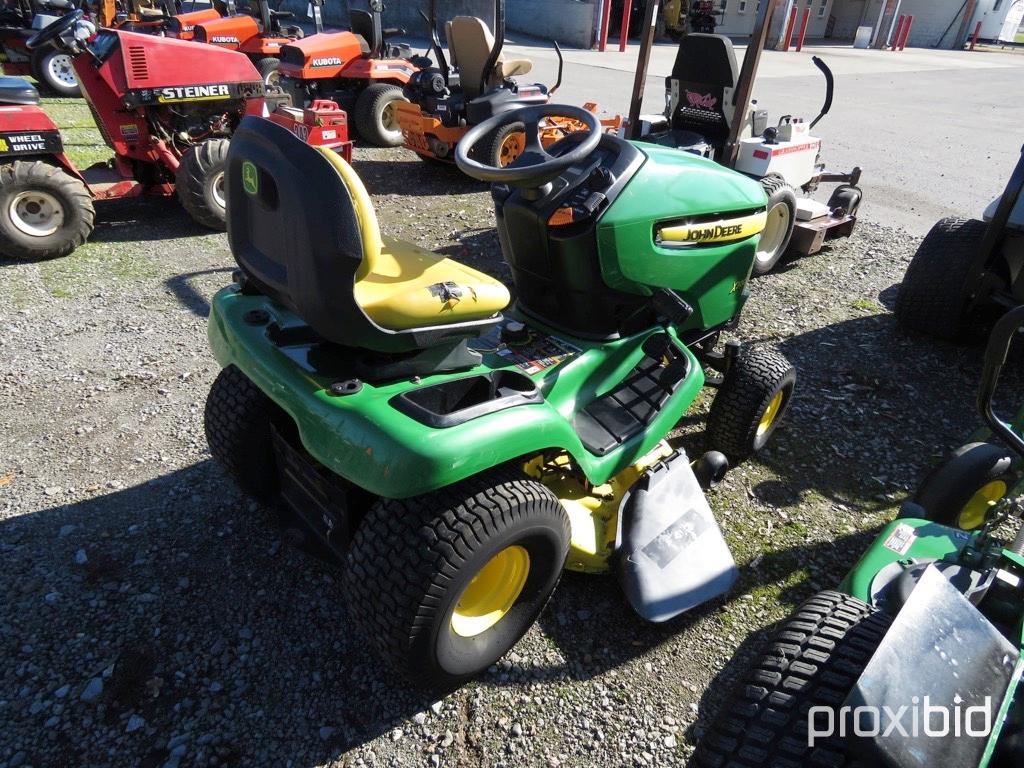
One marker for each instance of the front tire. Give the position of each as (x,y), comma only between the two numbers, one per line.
(960,491)
(237,422)
(507,143)
(933,296)
(750,404)
(446,583)
(268,71)
(813,659)
(778,230)
(53,70)
(376,114)
(200,183)
(45,213)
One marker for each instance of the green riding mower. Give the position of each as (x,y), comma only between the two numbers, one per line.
(916,659)
(454,455)
(966,273)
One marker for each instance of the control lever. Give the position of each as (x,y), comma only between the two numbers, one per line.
(671,306)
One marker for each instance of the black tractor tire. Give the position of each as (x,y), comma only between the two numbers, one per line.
(750,403)
(237,421)
(779,229)
(53,70)
(497,153)
(813,659)
(370,114)
(268,71)
(200,183)
(412,560)
(31,190)
(933,297)
(956,491)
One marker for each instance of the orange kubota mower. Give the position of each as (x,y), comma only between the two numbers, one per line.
(444,102)
(358,69)
(260,37)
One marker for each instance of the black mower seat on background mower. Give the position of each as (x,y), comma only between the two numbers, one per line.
(14,90)
(303,228)
(704,68)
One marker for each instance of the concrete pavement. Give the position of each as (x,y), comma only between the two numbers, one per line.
(936,132)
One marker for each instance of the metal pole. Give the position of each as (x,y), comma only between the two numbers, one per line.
(789,29)
(974,37)
(803,29)
(606,17)
(898,33)
(642,60)
(627,9)
(906,32)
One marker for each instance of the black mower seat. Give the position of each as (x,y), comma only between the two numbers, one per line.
(704,70)
(14,90)
(302,227)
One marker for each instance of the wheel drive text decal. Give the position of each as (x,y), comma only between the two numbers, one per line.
(30,143)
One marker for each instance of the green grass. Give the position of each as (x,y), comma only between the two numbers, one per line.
(96,267)
(82,142)
(1019,38)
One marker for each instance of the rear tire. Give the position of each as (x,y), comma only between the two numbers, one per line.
(933,296)
(375,116)
(957,492)
(412,561)
(200,183)
(237,422)
(813,659)
(750,404)
(45,212)
(53,70)
(506,145)
(268,71)
(778,230)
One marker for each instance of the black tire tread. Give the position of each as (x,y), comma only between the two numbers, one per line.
(403,544)
(949,486)
(237,420)
(46,176)
(931,297)
(748,387)
(266,67)
(195,166)
(813,658)
(365,109)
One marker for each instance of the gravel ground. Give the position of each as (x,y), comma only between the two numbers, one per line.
(150,616)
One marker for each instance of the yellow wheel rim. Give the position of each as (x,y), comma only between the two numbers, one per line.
(976,509)
(511,148)
(492,592)
(771,413)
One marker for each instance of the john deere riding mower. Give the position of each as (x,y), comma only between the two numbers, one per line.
(709,112)
(444,101)
(916,659)
(967,273)
(454,454)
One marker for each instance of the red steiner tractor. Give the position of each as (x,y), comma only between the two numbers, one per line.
(358,69)
(167,109)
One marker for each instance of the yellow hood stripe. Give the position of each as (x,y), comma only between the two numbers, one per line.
(719,231)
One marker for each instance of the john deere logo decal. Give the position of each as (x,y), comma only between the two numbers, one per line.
(250,178)
(720,231)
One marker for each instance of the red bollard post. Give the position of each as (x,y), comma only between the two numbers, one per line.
(789,28)
(906,32)
(803,29)
(898,33)
(627,8)
(606,18)
(974,37)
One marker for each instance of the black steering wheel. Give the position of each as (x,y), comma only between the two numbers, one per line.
(534,167)
(52,31)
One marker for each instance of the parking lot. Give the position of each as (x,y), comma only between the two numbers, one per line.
(151,616)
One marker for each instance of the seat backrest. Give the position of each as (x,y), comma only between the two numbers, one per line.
(298,232)
(367,25)
(703,75)
(470,43)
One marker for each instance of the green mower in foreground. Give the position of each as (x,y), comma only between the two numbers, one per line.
(454,459)
(916,659)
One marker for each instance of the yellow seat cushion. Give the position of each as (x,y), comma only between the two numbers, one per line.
(400,286)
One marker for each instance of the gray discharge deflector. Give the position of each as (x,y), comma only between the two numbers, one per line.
(672,555)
